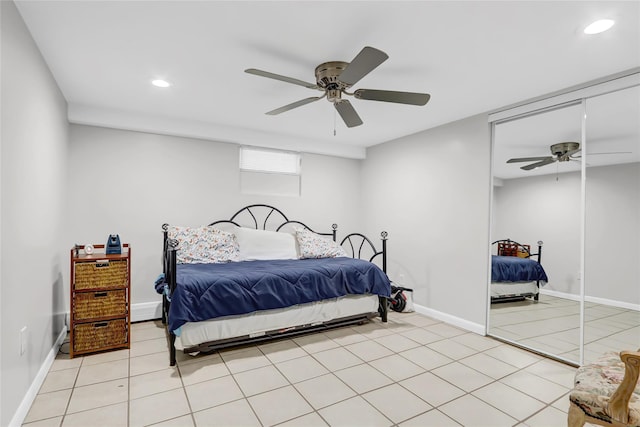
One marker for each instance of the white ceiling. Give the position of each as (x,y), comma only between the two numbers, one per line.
(471,56)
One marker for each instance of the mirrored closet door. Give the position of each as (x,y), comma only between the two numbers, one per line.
(612,214)
(567,190)
(537,198)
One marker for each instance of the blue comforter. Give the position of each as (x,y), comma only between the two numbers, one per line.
(207,291)
(515,269)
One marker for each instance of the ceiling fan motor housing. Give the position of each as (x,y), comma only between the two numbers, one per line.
(327,75)
(562,150)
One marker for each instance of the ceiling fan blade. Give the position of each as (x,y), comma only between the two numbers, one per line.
(538,164)
(528,159)
(570,153)
(600,154)
(348,113)
(281,78)
(364,62)
(411,98)
(294,105)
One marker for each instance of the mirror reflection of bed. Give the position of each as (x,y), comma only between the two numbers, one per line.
(516,271)
(550,204)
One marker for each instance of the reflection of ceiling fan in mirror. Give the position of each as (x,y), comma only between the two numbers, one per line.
(333,78)
(562,152)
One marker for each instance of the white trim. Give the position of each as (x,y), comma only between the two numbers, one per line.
(558,294)
(613,303)
(32,392)
(477,328)
(146,311)
(598,87)
(595,300)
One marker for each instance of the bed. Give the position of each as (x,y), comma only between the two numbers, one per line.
(516,273)
(268,277)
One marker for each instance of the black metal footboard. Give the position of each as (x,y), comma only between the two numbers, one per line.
(359,246)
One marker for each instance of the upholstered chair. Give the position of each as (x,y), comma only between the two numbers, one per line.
(607,392)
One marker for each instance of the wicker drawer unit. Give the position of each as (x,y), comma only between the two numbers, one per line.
(100,300)
(102,274)
(94,336)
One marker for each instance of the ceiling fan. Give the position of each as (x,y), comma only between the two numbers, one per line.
(562,152)
(335,77)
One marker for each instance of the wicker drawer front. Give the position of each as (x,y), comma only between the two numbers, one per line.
(106,274)
(99,335)
(89,305)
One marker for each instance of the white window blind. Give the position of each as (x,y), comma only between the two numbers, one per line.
(262,160)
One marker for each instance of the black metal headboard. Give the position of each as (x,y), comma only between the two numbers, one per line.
(520,247)
(266,217)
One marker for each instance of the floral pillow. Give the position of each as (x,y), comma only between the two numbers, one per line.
(313,245)
(203,245)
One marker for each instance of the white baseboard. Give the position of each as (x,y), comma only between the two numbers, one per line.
(595,300)
(477,328)
(32,392)
(146,311)
(619,304)
(558,294)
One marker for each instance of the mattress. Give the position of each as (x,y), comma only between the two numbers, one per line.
(256,323)
(513,288)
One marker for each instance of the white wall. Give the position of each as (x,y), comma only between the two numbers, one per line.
(430,191)
(546,208)
(33,166)
(131,183)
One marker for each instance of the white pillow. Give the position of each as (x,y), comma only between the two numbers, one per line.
(203,245)
(313,245)
(265,245)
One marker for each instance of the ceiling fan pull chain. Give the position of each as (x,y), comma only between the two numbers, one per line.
(334,122)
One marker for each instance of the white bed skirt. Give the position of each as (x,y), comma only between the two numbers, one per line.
(259,322)
(513,288)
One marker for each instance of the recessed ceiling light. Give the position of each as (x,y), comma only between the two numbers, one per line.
(599,26)
(161,83)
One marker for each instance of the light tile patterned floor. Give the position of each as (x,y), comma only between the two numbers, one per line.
(552,325)
(411,371)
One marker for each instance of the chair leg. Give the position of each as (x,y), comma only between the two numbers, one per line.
(576,416)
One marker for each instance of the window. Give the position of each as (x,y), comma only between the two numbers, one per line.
(274,161)
(269,172)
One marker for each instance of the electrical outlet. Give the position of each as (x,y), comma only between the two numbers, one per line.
(23,340)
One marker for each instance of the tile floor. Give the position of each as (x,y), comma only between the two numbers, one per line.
(552,325)
(411,371)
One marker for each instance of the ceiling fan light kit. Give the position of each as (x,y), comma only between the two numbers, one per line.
(335,77)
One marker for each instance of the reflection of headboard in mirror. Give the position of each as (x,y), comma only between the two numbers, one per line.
(508,247)
(511,248)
